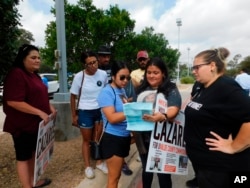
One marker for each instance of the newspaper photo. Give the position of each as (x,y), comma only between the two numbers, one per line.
(44,149)
(167,152)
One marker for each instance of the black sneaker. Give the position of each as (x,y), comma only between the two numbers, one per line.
(126,170)
(193,183)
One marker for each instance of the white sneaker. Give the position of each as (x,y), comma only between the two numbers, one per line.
(89,172)
(102,167)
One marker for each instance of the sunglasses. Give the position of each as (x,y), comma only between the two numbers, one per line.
(123,77)
(91,63)
(196,67)
(142,59)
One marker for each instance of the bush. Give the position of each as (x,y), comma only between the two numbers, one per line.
(187,80)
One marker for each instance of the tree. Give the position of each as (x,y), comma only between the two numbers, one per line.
(93,27)
(9,33)
(245,64)
(155,43)
(25,37)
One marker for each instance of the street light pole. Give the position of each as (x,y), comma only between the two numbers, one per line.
(188,61)
(179,24)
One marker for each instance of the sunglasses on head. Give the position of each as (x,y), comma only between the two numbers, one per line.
(123,77)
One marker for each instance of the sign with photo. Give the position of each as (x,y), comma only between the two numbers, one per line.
(44,148)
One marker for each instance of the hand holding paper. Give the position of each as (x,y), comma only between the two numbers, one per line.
(134,114)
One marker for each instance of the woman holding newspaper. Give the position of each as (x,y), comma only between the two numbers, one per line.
(156,79)
(26,104)
(219,106)
(115,142)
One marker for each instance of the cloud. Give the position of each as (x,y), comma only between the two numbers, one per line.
(205,24)
(35,20)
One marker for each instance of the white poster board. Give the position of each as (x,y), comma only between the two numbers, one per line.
(44,149)
(167,153)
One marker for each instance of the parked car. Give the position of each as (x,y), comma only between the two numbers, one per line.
(53,84)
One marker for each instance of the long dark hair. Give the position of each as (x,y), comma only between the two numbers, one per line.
(118,65)
(86,54)
(23,52)
(166,85)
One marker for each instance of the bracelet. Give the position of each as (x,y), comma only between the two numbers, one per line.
(166,116)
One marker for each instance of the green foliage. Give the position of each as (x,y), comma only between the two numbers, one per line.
(187,80)
(9,32)
(45,68)
(93,27)
(25,37)
(245,64)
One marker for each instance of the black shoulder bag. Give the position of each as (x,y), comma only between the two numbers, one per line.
(95,150)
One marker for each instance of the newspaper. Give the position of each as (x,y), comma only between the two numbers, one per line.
(134,112)
(44,149)
(167,152)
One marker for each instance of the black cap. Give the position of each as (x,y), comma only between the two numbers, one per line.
(104,49)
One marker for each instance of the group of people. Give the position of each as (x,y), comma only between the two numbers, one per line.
(217,119)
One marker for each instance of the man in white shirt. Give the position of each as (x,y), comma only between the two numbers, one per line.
(244,80)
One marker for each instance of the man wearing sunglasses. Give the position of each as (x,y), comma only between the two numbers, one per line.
(137,75)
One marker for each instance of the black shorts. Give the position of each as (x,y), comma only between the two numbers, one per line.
(114,145)
(25,145)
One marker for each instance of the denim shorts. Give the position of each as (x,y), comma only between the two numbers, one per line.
(88,118)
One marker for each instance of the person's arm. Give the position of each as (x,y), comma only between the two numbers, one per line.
(73,109)
(113,116)
(158,116)
(53,111)
(27,108)
(230,146)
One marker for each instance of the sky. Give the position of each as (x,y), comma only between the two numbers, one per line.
(205,24)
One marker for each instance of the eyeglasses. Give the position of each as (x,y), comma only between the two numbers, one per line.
(123,77)
(91,63)
(196,67)
(142,59)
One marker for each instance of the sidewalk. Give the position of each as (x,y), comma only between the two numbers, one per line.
(100,181)
(134,181)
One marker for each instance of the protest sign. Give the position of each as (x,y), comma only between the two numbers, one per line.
(44,149)
(167,152)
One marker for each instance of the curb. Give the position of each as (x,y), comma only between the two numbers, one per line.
(100,180)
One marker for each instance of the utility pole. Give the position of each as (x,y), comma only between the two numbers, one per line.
(60,53)
(188,49)
(63,129)
(179,24)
